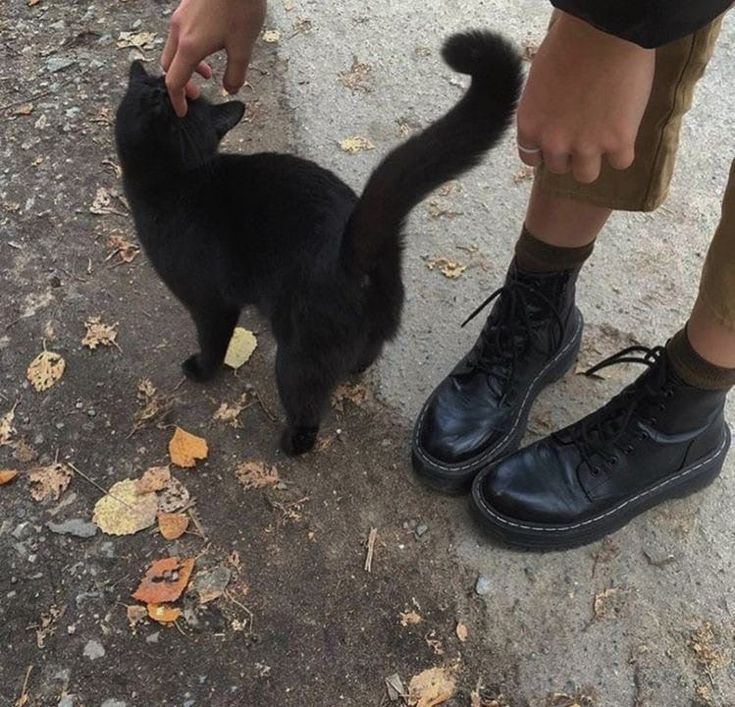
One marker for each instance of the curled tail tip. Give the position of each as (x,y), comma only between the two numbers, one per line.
(483,54)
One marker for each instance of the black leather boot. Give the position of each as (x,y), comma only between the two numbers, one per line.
(659,438)
(479,412)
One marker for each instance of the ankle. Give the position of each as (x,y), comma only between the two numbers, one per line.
(536,256)
(694,369)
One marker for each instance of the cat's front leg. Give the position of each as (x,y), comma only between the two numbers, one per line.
(215,324)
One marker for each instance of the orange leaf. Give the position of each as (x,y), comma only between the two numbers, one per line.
(172,525)
(156,478)
(7,475)
(164,580)
(186,448)
(163,613)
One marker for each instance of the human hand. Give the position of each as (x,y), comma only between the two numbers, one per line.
(584,100)
(200,28)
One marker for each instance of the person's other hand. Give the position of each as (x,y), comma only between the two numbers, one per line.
(584,100)
(200,28)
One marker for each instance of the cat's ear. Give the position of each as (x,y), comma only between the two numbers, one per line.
(227,116)
(137,70)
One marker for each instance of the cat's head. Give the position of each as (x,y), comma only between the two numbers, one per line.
(147,128)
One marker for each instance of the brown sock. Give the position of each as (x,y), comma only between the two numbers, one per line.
(533,255)
(695,370)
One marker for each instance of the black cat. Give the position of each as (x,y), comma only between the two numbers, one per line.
(288,236)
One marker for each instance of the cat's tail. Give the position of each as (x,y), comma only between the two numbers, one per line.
(447,148)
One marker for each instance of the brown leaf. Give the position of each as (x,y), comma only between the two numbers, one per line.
(7,475)
(7,430)
(45,370)
(164,580)
(25,109)
(136,40)
(446,267)
(410,618)
(136,613)
(355,144)
(173,498)
(461,631)
(49,482)
(185,448)
(608,603)
(172,525)
(256,475)
(99,334)
(357,79)
(163,613)
(24,452)
(211,585)
(230,413)
(156,407)
(155,478)
(357,394)
(121,247)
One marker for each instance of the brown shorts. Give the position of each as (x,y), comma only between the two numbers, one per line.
(645,184)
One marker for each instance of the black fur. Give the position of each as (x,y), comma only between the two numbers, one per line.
(288,236)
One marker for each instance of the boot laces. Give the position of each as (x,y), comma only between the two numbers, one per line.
(504,340)
(594,437)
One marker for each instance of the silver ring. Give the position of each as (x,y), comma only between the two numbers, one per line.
(528,150)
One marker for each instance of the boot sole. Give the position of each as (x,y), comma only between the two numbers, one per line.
(456,479)
(541,536)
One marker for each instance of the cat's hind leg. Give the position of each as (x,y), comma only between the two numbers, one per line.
(305,381)
(215,323)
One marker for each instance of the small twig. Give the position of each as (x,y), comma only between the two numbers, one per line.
(195,519)
(98,487)
(243,607)
(36,96)
(23,697)
(264,408)
(370,549)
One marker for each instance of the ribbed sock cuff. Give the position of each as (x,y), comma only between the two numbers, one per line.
(695,370)
(533,255)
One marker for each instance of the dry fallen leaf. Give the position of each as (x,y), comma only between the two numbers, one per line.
(103,202)
(124,249)
(7,430)
(173,498)
(136,614)
(49,481)
(608,603)
(164,580)
(24,452)
(230,413)
(446,267)
(185,448)
(99,334)
(256,475)
(707,647)
(156,478)
(356,144)
(241,347)
(271,36)
(47,626)
(156,407)
(430,688)
(461,631)
(137,40)
(356,394)
(45,370)
(123,511)
(25,109)
(358,77)
(410,618)
(163,614)
(172,525)
(7,475)
(211,585)
(434,643)
(437,210)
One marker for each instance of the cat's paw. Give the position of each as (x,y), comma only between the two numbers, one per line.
(194,370)
(296,442)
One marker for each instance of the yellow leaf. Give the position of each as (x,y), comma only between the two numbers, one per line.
(163,614)
(99,334)
(241,348)
(123,511)
(137,40)
(172,525)
(7,475)
(431,687)
(356,144)
(45,370)
(446,267)
(185,448)
(49,481)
